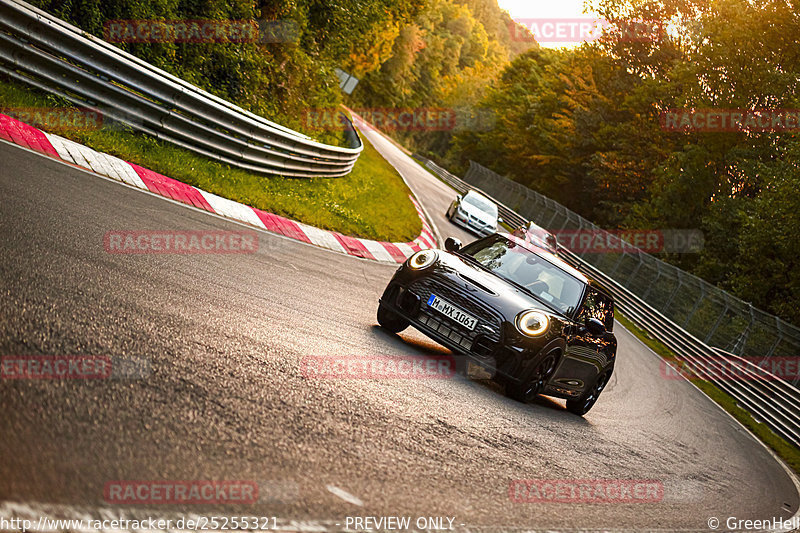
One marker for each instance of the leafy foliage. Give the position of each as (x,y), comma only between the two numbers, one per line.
(446,57)
(580,125)
(583,127)
(278,80)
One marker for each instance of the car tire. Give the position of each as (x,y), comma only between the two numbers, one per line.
(391,321)
(532,384)
(583,403)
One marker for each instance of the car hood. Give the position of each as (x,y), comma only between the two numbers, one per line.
(483,216)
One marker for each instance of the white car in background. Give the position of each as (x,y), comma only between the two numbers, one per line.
(474,212)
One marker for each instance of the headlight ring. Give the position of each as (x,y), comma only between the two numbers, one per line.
(532,323)
(422,259)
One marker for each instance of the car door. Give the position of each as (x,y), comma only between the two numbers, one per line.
(586,354)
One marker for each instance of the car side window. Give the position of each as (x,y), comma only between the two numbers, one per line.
(598,305)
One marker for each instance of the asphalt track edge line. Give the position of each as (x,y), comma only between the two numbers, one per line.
(191,207)
(426,235)
(435,229)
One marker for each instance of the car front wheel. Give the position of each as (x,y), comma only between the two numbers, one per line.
(583,403)
(529,386)
(391,321)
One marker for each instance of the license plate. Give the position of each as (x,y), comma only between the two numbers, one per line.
(452,312)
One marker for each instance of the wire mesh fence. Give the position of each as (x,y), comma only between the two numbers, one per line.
(709,313)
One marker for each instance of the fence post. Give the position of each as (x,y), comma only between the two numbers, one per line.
(696,305)
(738,346)
(619,262)
(633,274)
(653,283)
(779,339)
(674,292)
(718,322)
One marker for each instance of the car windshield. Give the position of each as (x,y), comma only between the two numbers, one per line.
(484,204)
(540,277)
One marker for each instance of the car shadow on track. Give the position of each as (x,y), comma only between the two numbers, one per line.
(423,347)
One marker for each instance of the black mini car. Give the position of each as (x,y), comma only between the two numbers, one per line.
(539,324)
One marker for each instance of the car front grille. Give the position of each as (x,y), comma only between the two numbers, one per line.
(477,222)
(446,328)
(489,323)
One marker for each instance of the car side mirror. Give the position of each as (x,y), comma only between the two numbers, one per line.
(452,245)
(458,197)
(499,220)
(595,327)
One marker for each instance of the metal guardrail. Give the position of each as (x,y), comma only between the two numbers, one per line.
(50,54)
(714,316)
(766,397)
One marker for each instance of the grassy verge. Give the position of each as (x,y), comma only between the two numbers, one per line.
(371,202)
(785,450)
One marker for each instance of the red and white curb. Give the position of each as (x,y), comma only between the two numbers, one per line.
(112,167)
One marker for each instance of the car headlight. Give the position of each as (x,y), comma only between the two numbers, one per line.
(532,323)
(422,259)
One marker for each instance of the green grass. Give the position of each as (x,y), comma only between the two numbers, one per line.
(371,202)
(785,450)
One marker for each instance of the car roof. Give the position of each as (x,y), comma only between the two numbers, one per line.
(557,261)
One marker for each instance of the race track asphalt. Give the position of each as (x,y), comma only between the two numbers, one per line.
(222,396)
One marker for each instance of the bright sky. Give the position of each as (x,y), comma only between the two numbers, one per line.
(548,10)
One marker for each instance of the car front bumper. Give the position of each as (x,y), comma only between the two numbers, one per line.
(482,231)
(441,333)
